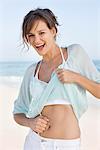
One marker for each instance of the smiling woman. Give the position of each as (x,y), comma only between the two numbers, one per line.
(39,35)
(47,18)
(53,90)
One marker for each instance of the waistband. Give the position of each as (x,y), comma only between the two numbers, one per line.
(69,142)
(60,142)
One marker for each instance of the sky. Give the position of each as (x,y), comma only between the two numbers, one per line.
(79,23)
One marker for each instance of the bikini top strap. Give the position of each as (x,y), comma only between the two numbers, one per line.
(38,68)
(62,56)
(39,63)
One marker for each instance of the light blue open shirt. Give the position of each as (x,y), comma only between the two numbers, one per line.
(77,61)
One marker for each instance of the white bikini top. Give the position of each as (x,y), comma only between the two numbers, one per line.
(40,85)
(60,66)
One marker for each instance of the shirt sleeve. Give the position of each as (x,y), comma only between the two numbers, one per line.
(21,104)
(85,65)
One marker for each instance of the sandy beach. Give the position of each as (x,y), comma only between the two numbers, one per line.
(12,135)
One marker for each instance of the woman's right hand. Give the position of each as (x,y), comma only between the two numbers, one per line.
(39,124)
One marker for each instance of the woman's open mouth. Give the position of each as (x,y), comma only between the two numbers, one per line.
(40,47)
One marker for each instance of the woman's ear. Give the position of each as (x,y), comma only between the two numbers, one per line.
(27,40)
(53,31)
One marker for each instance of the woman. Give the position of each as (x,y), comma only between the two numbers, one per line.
(52,97)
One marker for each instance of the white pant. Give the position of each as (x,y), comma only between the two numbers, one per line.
(35,142)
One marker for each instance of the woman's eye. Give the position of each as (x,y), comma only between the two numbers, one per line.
(41,33)
(30,35)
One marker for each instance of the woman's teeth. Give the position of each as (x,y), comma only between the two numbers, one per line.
(39,47)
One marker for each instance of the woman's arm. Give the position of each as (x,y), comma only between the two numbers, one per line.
(66,76)
(38,124)
(90,85)
(21,119)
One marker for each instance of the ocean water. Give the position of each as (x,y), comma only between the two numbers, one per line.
(13,68)
(17,69)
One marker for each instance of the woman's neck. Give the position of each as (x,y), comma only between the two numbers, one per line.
(51,55)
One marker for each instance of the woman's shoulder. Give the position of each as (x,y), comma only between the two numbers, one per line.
(30,70)
(74,47)
(31,67)
(75,50)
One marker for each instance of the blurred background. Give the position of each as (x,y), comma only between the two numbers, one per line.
(79,23)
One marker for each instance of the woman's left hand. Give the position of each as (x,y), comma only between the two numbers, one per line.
(67,76)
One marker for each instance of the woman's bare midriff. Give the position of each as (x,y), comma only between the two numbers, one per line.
(63,123)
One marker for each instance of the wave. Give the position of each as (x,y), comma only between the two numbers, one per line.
(9,80)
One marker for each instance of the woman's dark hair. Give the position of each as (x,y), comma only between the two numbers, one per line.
(38,14)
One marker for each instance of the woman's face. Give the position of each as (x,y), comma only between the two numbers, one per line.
(41,37)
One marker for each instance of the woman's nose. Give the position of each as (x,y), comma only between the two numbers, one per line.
(37,39)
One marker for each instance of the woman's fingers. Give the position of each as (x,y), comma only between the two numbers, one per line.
(67,76)
(42,124)
(58,71)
